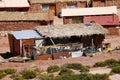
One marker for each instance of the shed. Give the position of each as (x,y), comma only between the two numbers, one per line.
(69,38)
(21,42)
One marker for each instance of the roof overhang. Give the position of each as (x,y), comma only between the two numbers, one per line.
(89,11)
(26,34)
(14,3)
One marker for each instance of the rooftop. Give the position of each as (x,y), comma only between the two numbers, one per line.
(89,11)
(52,1)
(25,16)
(14,3)
(68,30)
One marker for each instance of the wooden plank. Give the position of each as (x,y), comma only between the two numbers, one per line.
(27,46)
(28,41)
(61,55)
(10,38)
(16,45)
(44,57)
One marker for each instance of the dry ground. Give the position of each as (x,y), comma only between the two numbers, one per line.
(42,65)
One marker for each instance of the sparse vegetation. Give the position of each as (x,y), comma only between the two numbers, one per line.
(100,64)
(116,69)
(46,76)
(101,76)
(53,68)
(109,63)
(76,66)
(66,71)
(83,76)
(10,71)
(2,74)
(28,74)
(18,78)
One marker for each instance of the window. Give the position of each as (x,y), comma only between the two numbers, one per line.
(45,7)
(76,20)
(11,9)
(71,5)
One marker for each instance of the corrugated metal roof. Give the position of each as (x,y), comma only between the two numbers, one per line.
(26,34)
(14,3)
(89,11)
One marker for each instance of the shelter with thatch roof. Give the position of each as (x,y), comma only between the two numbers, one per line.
(24,20)
(70,37)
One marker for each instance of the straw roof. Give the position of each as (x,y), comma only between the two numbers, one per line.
(70,30)
(25,16)
(51,1)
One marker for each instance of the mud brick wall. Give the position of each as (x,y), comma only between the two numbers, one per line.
(35,7)
(67,20)
(59,6)
(99,3)
(62,5)
(117,3)
(113,31)
(110,3)
(9,26)
(81,4)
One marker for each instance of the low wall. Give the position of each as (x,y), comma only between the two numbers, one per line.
(59,55)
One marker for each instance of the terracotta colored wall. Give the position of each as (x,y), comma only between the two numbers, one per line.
(5,26)
(98,3)
(44,57)
(55,56)
(63,5)
(112,30)
(35,7)
(67,20)
(81,4)
(16,46)
(103,20)
(59,6)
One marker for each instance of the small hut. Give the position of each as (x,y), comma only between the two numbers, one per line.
(21,42)
(71,37)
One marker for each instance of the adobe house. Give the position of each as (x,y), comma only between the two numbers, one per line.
(55,5)
(10,21)
(105,16)
(21,42)
(61,4)
(14,5)
(65,40)
(103,3)
(42,5)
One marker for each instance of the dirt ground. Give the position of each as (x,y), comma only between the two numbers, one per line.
(43,64)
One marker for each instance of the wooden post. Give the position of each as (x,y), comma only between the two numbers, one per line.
(20,47)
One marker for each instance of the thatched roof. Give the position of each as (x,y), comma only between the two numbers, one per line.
(25,16)
(70,30)
(51,1)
